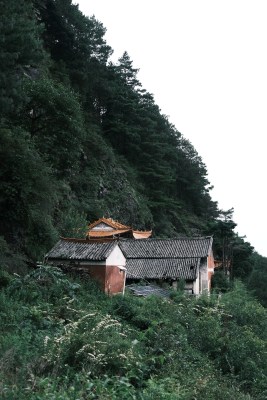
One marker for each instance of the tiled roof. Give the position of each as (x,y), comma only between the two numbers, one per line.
(110,222)
(149,268)
(142,234)
(107,227)
(81,250)
(166,248)
(100,234)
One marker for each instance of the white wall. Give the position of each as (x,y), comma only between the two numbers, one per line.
(116,257)
(203,276)
(196,282)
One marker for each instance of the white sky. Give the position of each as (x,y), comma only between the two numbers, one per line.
(206,64)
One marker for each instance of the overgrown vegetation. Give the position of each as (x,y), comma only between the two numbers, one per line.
(64,339)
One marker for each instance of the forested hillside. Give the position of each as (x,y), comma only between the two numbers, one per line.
(81,138)
(91,141)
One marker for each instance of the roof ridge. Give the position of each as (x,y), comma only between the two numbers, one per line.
(171,239)
(88,241)
(136,230)
(108,221)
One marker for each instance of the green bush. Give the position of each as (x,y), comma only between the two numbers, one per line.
(62,338)
(5,278)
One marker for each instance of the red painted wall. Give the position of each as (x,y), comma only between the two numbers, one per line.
(211,264)
(114,280)
(111,278)
(98,272)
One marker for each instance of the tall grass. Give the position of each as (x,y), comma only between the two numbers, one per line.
(62,338)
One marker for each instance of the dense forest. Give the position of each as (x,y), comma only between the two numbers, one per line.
(80,138)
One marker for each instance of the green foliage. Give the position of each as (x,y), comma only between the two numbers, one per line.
(80,138)
(55,122)
(73,224)
(257,280)
(235,254)
(99,138)
(27,193)
(5,278)
(64,340)
(220,282)
(21,52)
(10,261)
(85,343)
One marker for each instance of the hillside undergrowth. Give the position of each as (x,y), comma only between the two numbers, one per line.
(64,339)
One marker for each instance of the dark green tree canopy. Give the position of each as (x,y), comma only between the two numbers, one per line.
(21,51)
(102,143)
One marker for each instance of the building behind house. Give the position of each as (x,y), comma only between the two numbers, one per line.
(105,228)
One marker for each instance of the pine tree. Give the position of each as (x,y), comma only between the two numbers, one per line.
(21,52)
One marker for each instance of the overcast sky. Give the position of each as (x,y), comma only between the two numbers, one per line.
(206,64)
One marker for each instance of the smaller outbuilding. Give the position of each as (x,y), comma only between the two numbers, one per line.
(104,262)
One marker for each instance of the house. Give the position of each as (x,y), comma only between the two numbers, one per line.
(108,228)
(169,261)
(162,261)
(103,261)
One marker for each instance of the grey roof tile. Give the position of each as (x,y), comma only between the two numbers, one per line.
(166,248)
(162,269)
(80,250)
